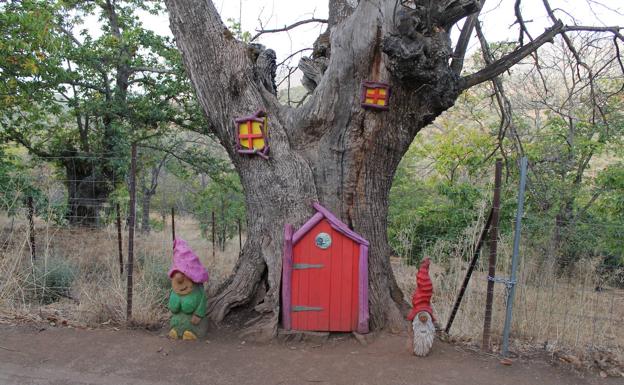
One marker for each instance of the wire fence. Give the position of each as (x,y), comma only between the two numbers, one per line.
(563,301)
(65,240)
(74,257)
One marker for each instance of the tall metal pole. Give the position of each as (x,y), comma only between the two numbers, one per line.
(131,218)
(487,322)
(119,239)
(514,259)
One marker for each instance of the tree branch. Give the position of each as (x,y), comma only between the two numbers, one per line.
(218,65)
(503,64)
(453,11)
(293,54)
(504,105)
(464,38)
(152,69)
(288,27)
(615,30)
(75,83)
(521,23)
(19,138)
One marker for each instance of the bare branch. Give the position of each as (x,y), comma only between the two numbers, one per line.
(615,30)
(581,63)
(288,27)
(507,61)
(521,23)
(293,54)
(462,44)
(504,105)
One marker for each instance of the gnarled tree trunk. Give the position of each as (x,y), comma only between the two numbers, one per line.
(330,150)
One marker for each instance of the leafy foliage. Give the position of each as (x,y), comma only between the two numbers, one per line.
(573,209)
(79,97)
(225,200)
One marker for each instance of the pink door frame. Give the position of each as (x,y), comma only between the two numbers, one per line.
(291,238)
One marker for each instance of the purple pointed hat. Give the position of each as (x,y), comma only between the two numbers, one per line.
(187,263)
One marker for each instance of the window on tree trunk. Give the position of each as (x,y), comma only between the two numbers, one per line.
(251,135)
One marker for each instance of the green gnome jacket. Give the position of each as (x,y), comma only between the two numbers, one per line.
(184,306)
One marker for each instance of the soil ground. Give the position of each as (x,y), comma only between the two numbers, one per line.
(31,354)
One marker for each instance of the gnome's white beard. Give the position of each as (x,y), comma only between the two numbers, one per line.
(424,332)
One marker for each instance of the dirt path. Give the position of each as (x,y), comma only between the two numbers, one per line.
(72,356)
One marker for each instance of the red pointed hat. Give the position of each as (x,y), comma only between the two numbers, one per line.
(187,262)
(421,300)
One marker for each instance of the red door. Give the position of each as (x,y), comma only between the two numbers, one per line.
(325,281)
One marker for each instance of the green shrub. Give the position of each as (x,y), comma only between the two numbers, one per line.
(53,280)
(155,276)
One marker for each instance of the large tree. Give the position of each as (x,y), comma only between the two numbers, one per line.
(80,80)
(331,150)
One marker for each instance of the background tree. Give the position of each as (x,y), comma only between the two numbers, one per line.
(568,119)
(79,97)
(573,158)
(225,200)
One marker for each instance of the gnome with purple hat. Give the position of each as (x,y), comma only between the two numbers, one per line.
(187,301)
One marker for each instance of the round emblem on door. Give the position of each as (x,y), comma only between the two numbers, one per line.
(323,240)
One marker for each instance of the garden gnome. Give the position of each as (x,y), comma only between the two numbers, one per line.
(421,314)
(187,301)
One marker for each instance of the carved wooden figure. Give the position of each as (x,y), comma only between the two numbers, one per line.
(251,135)
(187,301)
(422,314)
(375,95)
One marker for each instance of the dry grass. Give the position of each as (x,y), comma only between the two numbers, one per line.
(549,312)
(98,292)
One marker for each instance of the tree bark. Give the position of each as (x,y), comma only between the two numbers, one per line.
(329,150)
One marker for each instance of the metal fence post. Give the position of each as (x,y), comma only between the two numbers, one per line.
(119,239)
(471,266)
(131,218)
(31,223)
(514,259)
(487,321)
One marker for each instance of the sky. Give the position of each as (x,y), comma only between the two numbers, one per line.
(497,17)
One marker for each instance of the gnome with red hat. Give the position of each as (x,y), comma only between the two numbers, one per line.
(422,314)
(187,301)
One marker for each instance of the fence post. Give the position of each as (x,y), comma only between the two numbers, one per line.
(31,223)
(487,321)
(473,262)
(514,260)
(213,235)
(131,218)
(119,239)
(173,223)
